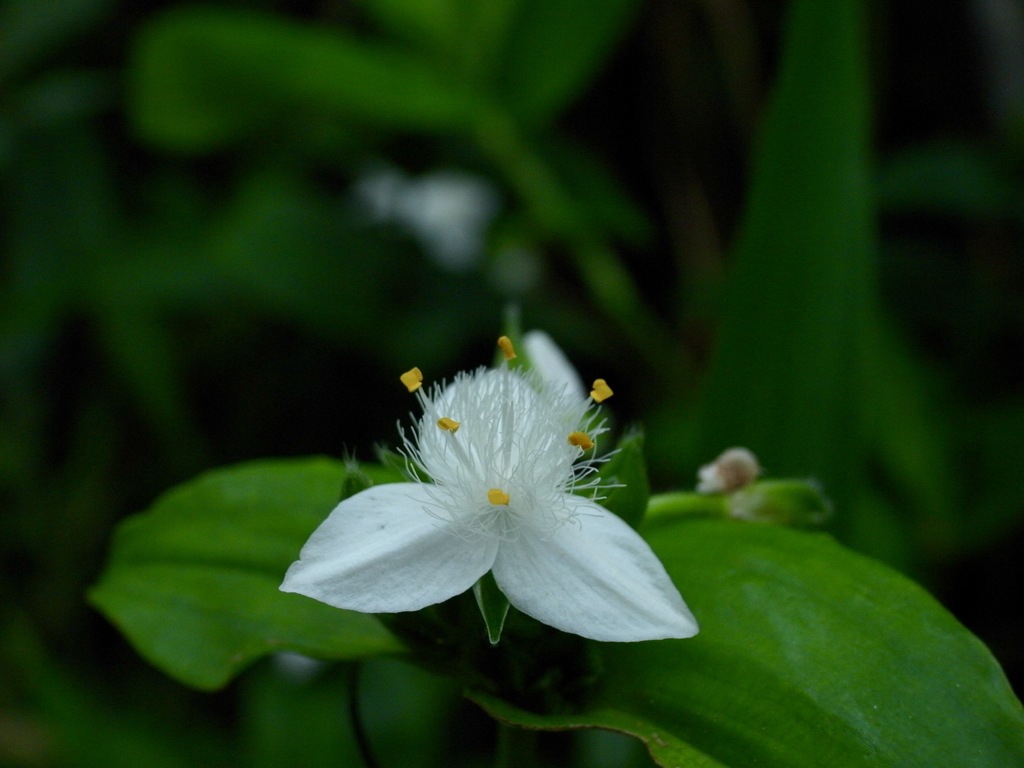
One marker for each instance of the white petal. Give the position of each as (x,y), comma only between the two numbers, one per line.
(551,363)
(597,579)
(380,551)
(709,479)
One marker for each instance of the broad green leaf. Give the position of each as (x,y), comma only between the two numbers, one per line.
(808,655)
(553,48)
(787,370)
(666,748)
(205,76)
(627,473)
(193,582)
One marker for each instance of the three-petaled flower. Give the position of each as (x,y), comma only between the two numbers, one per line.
(500,459)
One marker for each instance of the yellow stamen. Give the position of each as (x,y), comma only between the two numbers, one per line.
(601,391)
(412,379)
(506,346)
(497,497)
(581,440)
(448,425)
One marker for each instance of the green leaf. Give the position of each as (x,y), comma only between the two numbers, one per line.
(808,655)
(627,470)
(786,379)
(193,582)
(205,76)
(432,24)
(553,48)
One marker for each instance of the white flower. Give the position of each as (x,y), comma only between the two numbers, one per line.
(501,457)
(448,211)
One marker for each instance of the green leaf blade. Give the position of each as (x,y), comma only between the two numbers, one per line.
(552,48)
(202,77)
(811,654)
(808,655)
(666,748)
(786,376)
(205,624)
(193,583)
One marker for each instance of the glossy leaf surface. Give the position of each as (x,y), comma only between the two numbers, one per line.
(193,582)
(808,655)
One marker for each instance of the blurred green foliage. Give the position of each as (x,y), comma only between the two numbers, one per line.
(226,227)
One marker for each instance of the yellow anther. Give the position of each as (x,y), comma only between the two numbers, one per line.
(506,346)
(497,497)
(448,425)
(581,440)
(412,379)
(601,391)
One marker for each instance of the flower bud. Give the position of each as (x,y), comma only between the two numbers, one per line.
(735,468)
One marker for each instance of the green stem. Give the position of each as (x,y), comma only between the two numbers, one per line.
(355,715)
(681,504)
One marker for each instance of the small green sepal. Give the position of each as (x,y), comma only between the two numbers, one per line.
(493,606)
(354,480)
(626,474)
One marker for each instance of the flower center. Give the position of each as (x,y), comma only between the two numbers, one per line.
(500,449)
(497,497)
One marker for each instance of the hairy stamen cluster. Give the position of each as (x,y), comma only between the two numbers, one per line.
(499,450)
